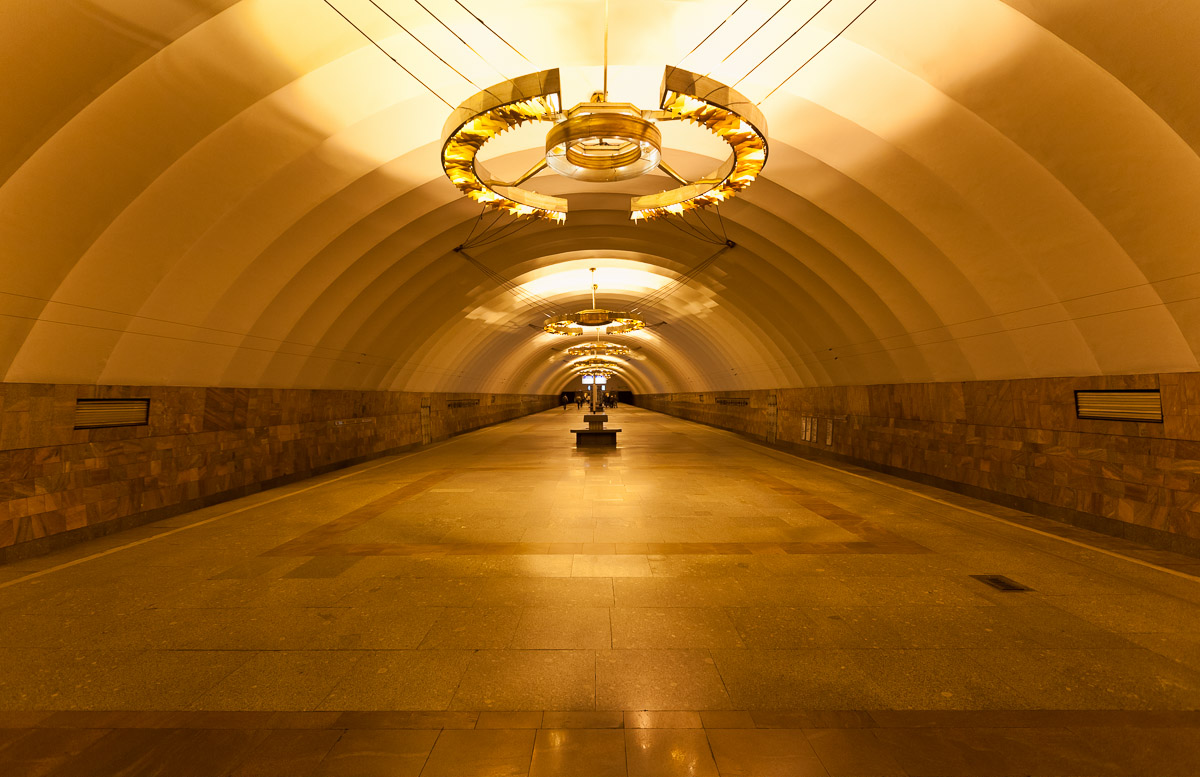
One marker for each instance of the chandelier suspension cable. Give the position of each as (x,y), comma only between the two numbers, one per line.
(814,56)
(714,32)
(703,233)
(388,54)
(539,304)
(424,45)
(660,294)
(489,29)
(686,228)
(460,38)
(703,225)
(785,42)
(489,235)
(751,35)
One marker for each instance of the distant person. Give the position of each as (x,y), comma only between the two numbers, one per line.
(565,401)
(579,401)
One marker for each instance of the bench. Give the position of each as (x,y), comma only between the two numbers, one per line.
(595,436)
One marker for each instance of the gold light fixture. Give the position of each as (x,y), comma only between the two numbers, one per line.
(595,364)
(599,141)
(612,350)
(602,142)
(575,324)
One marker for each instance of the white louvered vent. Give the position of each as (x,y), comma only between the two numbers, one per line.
(98,413)
(1142,405)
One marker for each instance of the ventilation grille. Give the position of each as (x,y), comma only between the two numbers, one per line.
(452,403)
(1001,583)
(99,413)
(743,401)
(1120,405)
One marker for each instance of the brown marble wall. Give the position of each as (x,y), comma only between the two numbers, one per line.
(202,445)
(1016,441)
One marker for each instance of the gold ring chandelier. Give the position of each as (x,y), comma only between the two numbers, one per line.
(615,322)
(611,350)
(603,141)
(595,364)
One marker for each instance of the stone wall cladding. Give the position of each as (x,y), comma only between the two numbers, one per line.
(1013,438)
(202,445)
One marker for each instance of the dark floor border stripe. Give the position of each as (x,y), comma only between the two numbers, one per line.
(593,719)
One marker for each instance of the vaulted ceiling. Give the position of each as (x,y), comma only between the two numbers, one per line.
(249,193)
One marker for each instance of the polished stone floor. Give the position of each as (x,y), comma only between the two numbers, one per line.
(689,603)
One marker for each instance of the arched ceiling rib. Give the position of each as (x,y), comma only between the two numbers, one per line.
(245,192)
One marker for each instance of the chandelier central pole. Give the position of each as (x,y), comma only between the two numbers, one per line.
(605,55)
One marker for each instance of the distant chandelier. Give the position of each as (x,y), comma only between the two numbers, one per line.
(595,364)
(598,349)
(615,321)
(599,141)
(598,372)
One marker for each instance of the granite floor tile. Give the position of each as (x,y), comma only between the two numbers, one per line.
(527,719)
(578,753)
(203,752)
(47,746)
(1183,648)
(796,679)
(378,753)
(545,592)
(583,719)
(472,628)
(585,565)
(280,680)
(727,719)
(1094,679)
(662,719)
(162,680)
(488,753)
(560,628)
(413,592)
(31,678)
(763,753)
(658,680)
(1141,752)
(400,680)
(935,679)
(660,752)
(672,628)
(288,753)
(793,628)
(852,753)
(528,680)
(118,752)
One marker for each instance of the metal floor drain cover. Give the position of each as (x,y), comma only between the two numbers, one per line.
(1001,583)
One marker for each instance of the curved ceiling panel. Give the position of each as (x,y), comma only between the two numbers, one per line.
(248,192)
